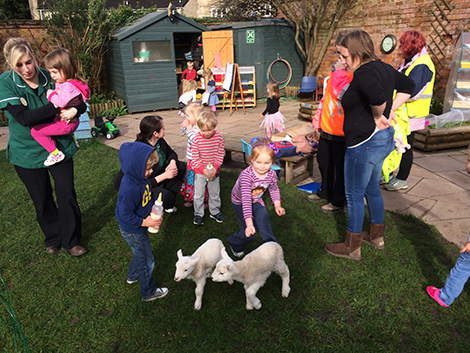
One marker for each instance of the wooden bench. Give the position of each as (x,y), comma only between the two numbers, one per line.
(233,144)
(291,163)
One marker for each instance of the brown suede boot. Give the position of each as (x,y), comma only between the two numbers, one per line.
(375,235)
(350,249)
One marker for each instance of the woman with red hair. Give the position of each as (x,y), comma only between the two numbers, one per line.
(419,67)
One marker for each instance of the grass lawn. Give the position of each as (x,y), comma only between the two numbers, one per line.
(66,304)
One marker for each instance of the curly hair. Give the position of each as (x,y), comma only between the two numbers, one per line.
(411,43)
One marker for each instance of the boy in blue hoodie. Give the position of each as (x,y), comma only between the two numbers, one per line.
(134,204)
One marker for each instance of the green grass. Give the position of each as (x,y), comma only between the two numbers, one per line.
(67,304)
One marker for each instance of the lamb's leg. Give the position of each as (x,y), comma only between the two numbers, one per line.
(251,300)
(199,292)
(283,271)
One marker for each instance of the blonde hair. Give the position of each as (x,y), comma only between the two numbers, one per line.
(193,110)
(190,63)
(63,60)
(207,119)
(273,89)
(261,146)
(152,160)
(14,49)
(208,73)
(189,85)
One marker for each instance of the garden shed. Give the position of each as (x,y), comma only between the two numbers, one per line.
(259,43)
(145,59)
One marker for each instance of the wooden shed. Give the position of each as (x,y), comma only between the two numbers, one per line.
(259,43)
(145,58)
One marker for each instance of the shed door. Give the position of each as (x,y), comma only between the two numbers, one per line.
(217,41)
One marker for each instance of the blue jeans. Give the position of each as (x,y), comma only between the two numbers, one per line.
(142,263)
(362,169)
(457,278)
(239,241)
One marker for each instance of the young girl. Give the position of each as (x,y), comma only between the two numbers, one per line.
(70,90)
(247,199)
(190,129)
(273,119)
(210,88)
(189,95)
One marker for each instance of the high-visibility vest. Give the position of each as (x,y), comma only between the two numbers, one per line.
(332,117)
(420,107)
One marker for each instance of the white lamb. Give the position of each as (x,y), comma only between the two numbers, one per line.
(199,265)
(254,270)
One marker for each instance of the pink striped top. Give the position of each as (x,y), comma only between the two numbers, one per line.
(208,150)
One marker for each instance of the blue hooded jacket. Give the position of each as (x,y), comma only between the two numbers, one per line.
(135,198)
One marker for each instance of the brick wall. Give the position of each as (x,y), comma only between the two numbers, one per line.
(382,17)
(32,31)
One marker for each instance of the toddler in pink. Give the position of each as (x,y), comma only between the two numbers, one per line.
(70,90)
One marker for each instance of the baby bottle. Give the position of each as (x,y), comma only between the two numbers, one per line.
(210,170)
(157,213)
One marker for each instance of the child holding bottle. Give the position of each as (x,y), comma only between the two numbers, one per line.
(210,89)
(208,154)
(247,199)
(133,208)
(458,276)
(70,90)
(272,117)
(190,129)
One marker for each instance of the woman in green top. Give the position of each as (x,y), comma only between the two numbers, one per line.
(23,98)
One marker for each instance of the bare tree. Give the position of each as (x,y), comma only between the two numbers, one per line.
(311,17)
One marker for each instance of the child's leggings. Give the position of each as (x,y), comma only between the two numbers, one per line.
(43,133)
(456,280)
(268,130)
(239,241)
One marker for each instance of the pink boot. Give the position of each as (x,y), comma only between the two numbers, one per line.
(434,294)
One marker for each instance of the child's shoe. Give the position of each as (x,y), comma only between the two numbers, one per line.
(129,281)
(188,204)
(237,254)
(171,210)
(434,294)
(218,217)
(198,221)
(159,293)
(53,159)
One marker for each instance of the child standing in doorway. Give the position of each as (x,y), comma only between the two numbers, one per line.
(189,73)
(190,129)
(273,119)
(247,199)
(70,90)
(134,204)
(210,88)
(208,154)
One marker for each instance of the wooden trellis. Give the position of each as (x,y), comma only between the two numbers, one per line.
(441,39)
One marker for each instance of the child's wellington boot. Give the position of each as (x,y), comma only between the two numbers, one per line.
(375,235)
(350,249)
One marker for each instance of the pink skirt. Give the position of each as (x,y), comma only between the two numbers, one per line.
(274,121)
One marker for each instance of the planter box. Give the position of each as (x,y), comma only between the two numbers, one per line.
(441,139)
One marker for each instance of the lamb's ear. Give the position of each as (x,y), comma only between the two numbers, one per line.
(180,254)
(224,254)
(229,267)
(195,260)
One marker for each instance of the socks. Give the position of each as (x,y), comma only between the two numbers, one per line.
(55,152)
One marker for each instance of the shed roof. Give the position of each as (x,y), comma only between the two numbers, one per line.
(250,24)
(149,20)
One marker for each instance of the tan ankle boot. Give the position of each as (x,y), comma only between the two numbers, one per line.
(375,235)
(350,249)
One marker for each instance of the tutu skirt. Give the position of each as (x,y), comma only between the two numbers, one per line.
(273,122)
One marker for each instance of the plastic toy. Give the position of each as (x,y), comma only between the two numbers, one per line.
(107,128)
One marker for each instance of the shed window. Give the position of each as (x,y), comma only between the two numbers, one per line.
(152,51)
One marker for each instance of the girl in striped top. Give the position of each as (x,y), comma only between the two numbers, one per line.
(190,129)
(247,199)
